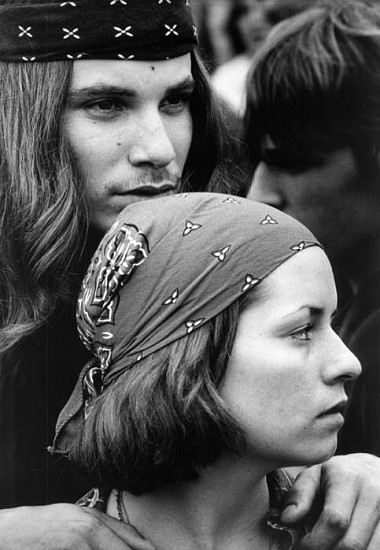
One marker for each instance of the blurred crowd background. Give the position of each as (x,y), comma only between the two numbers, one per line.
(229,33)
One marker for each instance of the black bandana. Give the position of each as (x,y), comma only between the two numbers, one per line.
(96,29)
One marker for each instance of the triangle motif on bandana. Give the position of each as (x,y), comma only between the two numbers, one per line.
(221,254)
(172,298)
(190,226)
(250,282)
(231,200)
(268,220)
(298,247)
(191,325)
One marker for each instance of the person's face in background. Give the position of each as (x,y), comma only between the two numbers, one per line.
(129,127)
(332,198)
(253,25)
(285,380)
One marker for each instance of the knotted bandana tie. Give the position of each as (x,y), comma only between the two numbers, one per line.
(166,267)
(95,29)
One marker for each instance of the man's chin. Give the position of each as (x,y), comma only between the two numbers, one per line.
(103,221)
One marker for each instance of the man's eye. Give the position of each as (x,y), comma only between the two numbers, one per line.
(291,163)
(105,106)
(176,103)
(302,334)
(286,163)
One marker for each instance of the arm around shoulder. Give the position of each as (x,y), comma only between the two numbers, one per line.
(62,526)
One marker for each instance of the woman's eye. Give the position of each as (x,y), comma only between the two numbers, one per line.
(302,334)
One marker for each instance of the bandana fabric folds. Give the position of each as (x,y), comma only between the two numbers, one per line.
(95,29)
(165,268)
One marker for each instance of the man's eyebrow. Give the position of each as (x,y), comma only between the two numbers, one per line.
(184,85)
(271,154)
(288,158)
(110,90)
(97,90)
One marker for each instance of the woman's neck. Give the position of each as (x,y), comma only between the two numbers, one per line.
(224,509)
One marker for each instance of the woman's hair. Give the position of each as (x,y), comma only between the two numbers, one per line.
(43,221)
(163,419)
(315,84)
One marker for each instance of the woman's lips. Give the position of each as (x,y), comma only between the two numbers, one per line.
(339,408)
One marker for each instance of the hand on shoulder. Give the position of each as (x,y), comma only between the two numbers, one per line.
(62,526)
(343,494)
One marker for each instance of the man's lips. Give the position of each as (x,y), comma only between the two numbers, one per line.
(147,189)
(339,408)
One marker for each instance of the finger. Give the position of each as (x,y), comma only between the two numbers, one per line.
(129,534)
(334,520)
(124,532)
(302,498)
(374,543)
(364,528)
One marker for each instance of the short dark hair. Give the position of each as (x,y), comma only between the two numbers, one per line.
(276,11)
(163,419)
(314,86)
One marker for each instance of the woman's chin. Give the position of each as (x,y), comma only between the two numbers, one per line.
(315,455)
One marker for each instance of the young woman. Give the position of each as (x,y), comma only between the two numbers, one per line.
(215,365)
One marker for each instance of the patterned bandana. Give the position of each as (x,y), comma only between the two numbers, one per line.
(53,30)
(165,268)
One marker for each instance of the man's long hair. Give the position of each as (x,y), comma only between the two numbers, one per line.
(44,221)
(42,206)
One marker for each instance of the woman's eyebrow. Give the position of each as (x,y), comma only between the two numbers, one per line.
(312,311)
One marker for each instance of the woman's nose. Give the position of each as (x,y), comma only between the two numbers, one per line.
(341,363)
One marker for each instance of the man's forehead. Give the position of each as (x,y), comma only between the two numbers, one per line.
(129,74)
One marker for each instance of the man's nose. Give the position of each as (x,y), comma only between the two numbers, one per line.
(340,363)
(264,187)
(151,144)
